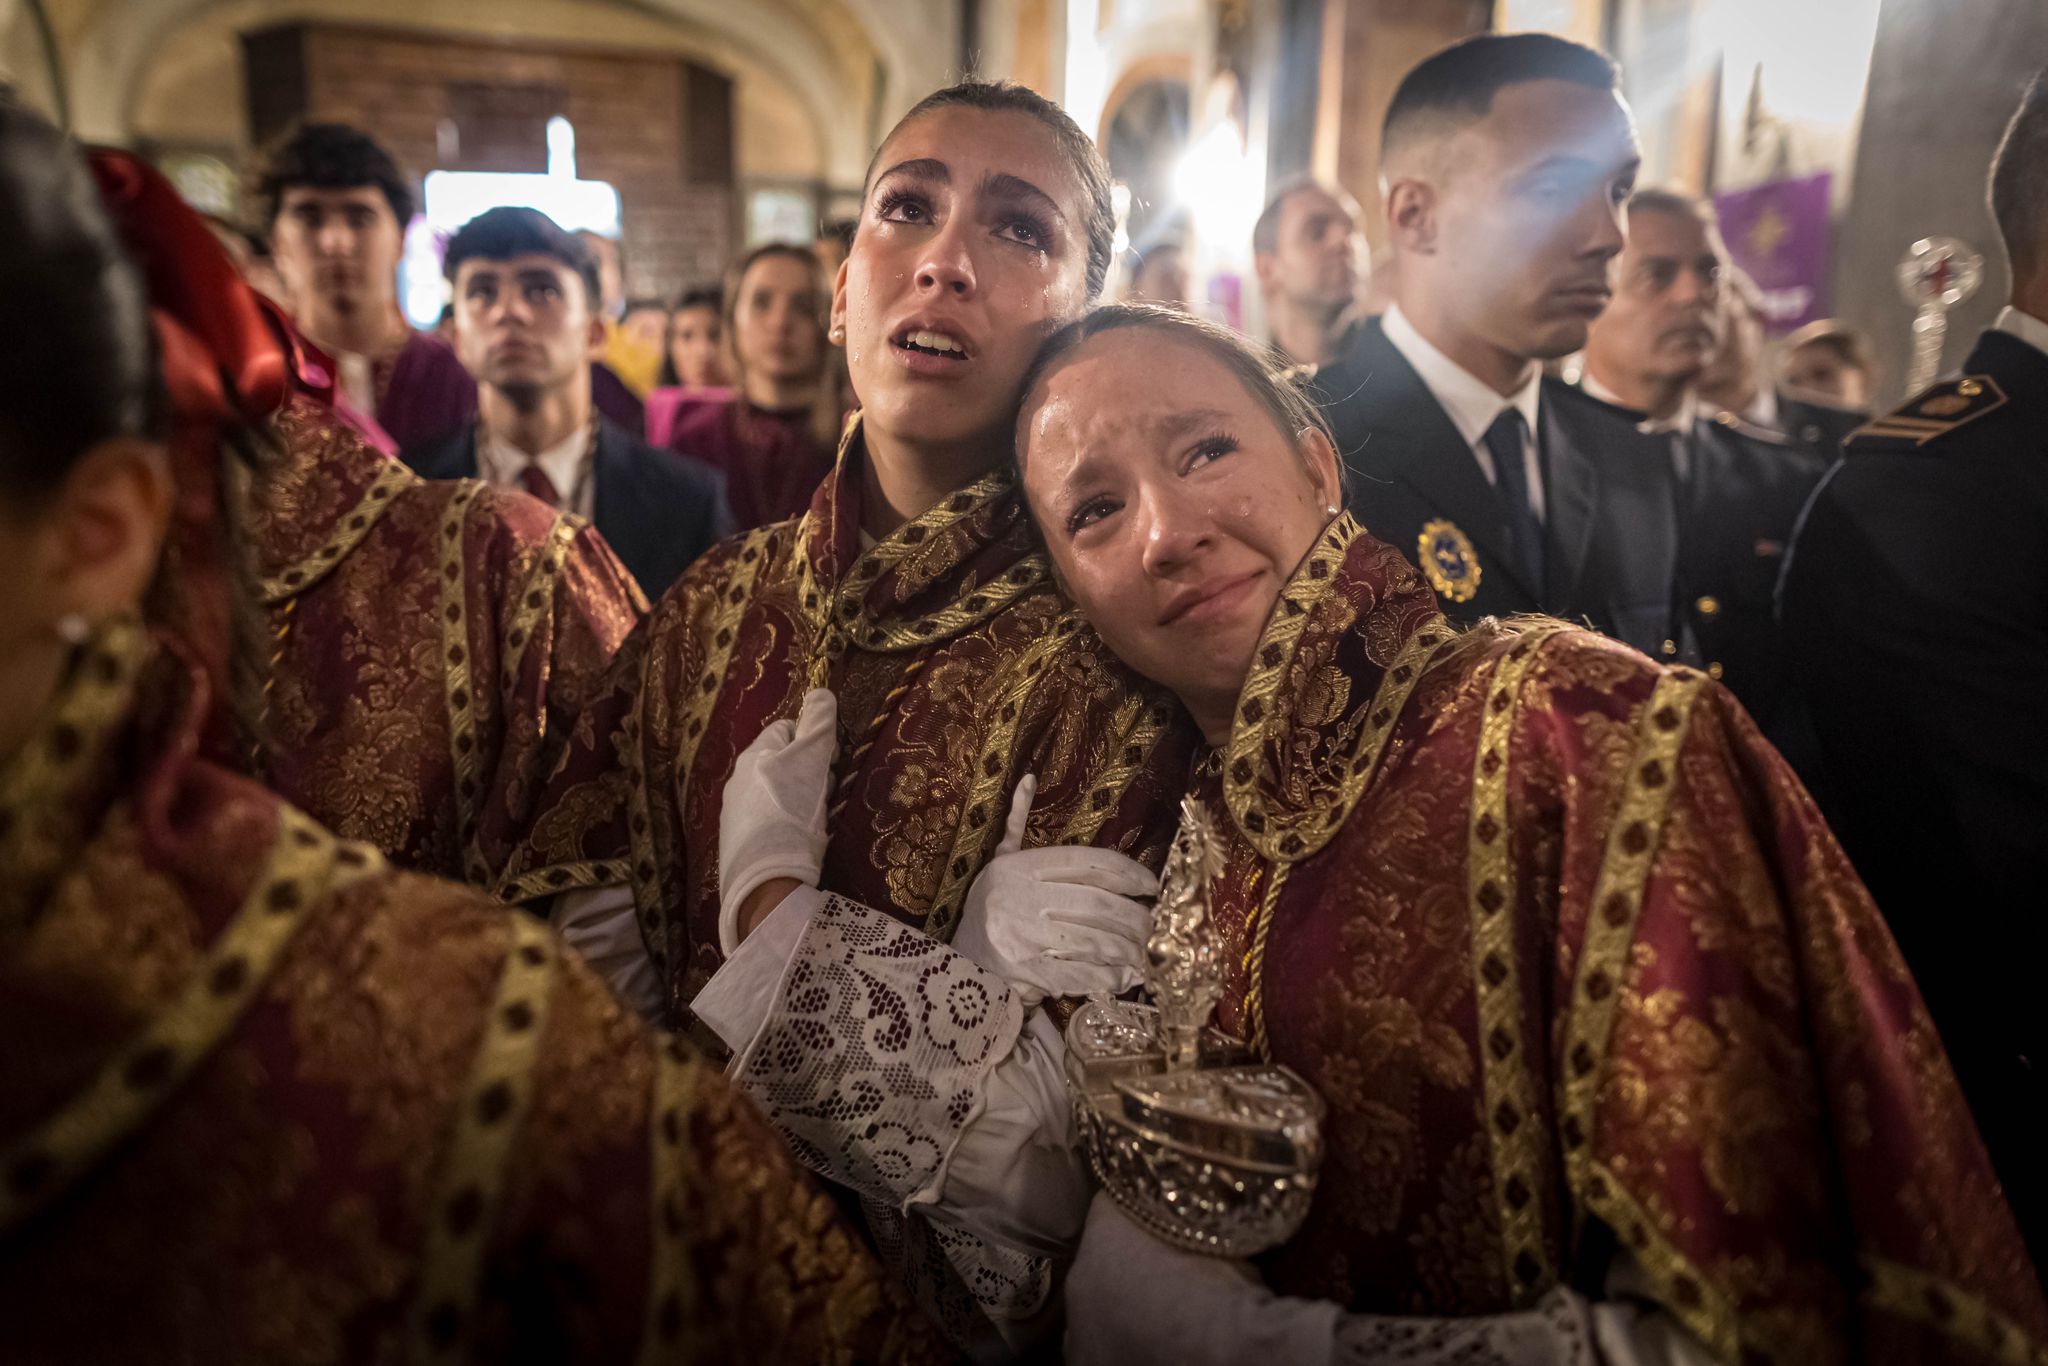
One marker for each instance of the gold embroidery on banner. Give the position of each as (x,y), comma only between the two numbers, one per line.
(670,1286)
(305,864)
(40,809)
(983,807)
(1632,842)
(1255,966)
(564,877)
(1509,1111)
(536,593)
(487,1122)
(458,684)
(349,530)
(1699,1304)
(1258,733)
(1133,738)
(1909,1293)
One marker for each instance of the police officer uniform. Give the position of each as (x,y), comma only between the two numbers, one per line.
(1915,603)
(1583,526)
(1815,425)
(1740,492)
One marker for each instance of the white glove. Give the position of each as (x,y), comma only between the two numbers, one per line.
(771,821)
(1057,921)
(1133,1300)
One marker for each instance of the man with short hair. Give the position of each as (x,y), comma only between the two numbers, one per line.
(526,326)
(1506,161)
(337,206)
(1740,487)
(1306,251)
(1915,604)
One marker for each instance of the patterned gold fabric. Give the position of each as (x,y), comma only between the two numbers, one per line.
(428,637)
(959,668)
(1578,967)
(267,1100)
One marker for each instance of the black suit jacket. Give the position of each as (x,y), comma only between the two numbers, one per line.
(1816,425)
(658,510)
(1915,601)
(1740,497)
(1611,525)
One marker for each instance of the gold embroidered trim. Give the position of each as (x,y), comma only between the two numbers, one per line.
(564,877)
(1633,837)
(41,786)
(305,865)
(350,528)
(487,1121)
(1135,734)
(670,1287)
(1296,834)
(985,804)
(1910,1293)
(457,681)
(722,633)
(1255,966)
(536,594)
(1510,1115)
(1700,1305)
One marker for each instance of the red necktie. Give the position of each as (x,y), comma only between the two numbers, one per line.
(535,481)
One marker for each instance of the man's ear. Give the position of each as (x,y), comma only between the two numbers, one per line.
(1325,470)
(594,341)
(108,528)
(1264,264)
(1411,215)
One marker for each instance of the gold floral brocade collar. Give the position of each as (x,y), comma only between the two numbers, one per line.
(944,572)
(1353,631)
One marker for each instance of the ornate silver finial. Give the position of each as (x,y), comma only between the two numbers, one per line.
(1184,968)
(1935,275)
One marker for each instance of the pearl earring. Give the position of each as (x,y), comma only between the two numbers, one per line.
(73,628)
(837,335)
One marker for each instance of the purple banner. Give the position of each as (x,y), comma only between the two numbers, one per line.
(1778,233)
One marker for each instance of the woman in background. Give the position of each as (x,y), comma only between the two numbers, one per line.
(691,365)
(774,433)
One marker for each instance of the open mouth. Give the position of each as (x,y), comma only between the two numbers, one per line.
(925,341)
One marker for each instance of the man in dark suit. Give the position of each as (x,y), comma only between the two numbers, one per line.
(1506,161)
(1916,605)
(526,327)
(1740,487)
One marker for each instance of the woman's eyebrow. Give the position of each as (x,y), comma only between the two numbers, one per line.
(924,168)
(1003,185)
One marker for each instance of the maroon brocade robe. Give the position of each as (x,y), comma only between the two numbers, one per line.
(265,1100)
(958,667)
(426,636)
(1576,965)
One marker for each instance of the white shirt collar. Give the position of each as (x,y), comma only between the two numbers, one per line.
(1469,401)
(1763,409)
(1681,419)
(2025,326)
(500,462)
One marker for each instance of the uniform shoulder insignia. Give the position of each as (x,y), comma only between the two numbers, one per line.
(1934,411)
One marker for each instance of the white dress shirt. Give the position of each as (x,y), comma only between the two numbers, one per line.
(2025,326)
(1471,403)
(567,465)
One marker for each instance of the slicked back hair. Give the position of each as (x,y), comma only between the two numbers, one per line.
(2019,182)
(1079,150)
(1457,86)
(1266,375)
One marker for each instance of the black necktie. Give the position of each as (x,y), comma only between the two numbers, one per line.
(1505,439)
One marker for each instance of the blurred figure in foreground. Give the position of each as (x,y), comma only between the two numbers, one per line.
(367,1115)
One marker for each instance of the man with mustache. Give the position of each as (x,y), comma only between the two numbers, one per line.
(1506,161)
(337,206)
(1740,487)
